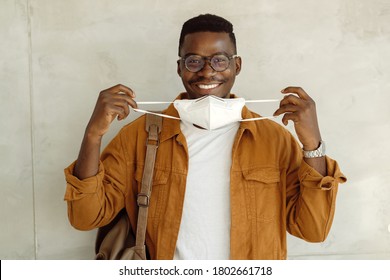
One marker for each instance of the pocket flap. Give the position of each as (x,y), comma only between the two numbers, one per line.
(160,177)
(266,175)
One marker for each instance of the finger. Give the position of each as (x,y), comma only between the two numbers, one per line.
(121,115)
(124,102)
(288,108)
(289,116)
(291,99)
(124,107)
(124,98)
(122,112)
(132,103)
(113,111)
(120,91)
(119,88)
(127,90)
(298,90)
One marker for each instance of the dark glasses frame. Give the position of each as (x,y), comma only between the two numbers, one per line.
(212,60)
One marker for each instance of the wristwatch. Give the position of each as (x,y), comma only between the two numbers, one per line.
(319,152)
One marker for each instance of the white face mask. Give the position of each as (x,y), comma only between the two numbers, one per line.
(209,112)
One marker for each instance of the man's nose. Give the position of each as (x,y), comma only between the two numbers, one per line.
(207,70)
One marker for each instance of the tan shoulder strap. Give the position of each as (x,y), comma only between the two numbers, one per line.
(153,126)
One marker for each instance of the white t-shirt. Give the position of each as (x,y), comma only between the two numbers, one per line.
(205,226)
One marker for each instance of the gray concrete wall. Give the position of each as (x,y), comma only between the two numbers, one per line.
(56,56)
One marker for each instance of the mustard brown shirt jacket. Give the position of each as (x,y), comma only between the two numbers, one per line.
(272,189)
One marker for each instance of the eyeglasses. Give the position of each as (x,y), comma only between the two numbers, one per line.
(219,62)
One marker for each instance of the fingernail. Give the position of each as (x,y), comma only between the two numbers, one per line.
(283,90)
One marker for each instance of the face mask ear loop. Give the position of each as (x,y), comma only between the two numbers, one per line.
(153,113)
(260,101)
(257,119)
(218,98)
(153,102)
(157,114)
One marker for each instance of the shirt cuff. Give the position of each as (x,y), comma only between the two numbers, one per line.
(311,178)
(76,188)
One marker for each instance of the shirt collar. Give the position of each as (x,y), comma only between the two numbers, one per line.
(251,126)
(171,127)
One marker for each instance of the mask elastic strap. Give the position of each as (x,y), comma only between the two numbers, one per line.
(257,119)
(157,114)
(176,118)
(262,100)
(154,102)
(170,102)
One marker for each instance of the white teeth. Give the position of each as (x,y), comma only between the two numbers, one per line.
(208,86)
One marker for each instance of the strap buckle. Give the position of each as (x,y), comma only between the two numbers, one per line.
(152,142)
(143,200)
(153,138)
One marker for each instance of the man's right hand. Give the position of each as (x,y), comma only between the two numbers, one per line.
(112,103)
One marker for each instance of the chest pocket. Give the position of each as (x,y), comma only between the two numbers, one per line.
(263,193)
(158,195)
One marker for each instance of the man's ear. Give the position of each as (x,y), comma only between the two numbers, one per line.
(238,62)
(178,68)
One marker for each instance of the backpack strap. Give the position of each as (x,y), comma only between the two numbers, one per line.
(153,126)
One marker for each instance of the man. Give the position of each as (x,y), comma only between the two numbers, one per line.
(227,193)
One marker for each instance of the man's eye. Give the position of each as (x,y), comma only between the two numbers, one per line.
(219,59)
(194,61)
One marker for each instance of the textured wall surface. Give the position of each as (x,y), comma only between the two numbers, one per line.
(56,56)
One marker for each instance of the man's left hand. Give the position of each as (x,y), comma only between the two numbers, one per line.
(300,108)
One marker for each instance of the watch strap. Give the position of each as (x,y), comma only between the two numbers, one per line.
(319,152)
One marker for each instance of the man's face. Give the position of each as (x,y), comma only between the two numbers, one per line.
(207,81)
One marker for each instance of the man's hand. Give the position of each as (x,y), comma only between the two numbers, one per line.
(300,108)
(112,103)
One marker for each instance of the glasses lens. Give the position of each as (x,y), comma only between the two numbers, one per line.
(220,62)
(194,63)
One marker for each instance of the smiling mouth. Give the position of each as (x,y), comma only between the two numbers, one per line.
(209,86)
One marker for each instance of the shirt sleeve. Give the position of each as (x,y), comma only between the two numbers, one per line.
(94,202)
(311,198)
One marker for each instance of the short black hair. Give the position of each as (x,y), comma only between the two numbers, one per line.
(207,23)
